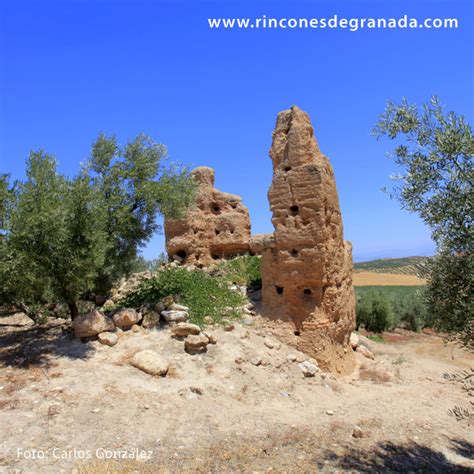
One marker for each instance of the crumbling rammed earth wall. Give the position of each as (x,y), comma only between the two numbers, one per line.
(306,264)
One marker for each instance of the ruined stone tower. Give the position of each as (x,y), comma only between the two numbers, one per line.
(217,227)
(307,268)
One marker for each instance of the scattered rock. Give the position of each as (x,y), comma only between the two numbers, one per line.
(150,362)
(309,369)
(211,338)
(329,412)
(229,327)
(256,361)
(108,338)
(271,344)
(196,344)
(357,432)
(197,390)
(365,352)
(175,316)
(291,357)
(135,328)
(151,319)
(126,317)
(247,321)
(17,319)
(354,340)
(91,324)
(185,329)
(177,307)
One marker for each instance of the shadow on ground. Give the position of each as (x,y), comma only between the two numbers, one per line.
(32,346)
(408,458)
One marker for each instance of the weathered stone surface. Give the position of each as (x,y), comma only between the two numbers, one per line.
(354,340)
(185,329)
(365,352)
(150,362)
(259,242)
(196,344)
(91,324)
(175,316)
(17,319)
(217,227)
(307,269)
(108,338)
(126,317)
(151,319)
(309,369)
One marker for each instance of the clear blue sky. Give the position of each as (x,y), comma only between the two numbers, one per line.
(72,68)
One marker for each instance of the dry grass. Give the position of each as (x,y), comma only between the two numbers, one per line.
(385,279)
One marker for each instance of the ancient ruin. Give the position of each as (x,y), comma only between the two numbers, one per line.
(217,227)
(306,264)
(307,269)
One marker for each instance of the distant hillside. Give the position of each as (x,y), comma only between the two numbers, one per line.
(402,266)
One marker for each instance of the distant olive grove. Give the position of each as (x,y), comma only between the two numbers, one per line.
(64,237)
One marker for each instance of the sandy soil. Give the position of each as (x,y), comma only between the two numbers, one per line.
(220,412)
(362,278)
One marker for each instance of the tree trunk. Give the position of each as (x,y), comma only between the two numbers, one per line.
(73,310)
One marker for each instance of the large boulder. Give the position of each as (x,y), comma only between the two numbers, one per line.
(151,319)
(150,362)
(126,317)
(91,324)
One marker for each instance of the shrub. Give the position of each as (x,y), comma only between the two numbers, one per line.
(243,271)
(375,313)
(203,294)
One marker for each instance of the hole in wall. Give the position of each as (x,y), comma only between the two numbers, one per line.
(294,253)
(216,257)
(279,290)
(287,168)
(307,291)
(218,232)
(294,210)
(215,208)
(296,333)
(181,253)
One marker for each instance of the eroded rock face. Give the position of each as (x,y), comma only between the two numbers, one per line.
(307,268)
(217,227)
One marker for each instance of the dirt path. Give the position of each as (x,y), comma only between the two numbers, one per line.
(219,411)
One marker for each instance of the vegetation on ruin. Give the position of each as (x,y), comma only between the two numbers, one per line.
(63,237)
(203,294)
(244,271)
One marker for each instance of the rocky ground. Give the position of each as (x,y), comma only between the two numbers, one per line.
(249,403)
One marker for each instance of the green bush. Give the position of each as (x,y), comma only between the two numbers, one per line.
(205,295)
(375,312)
(243,271)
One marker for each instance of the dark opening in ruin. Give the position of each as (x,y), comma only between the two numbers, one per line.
(215,208)
(294,253)
(279,289)
(216,257)
(182,254)
(307,291)
(218,232)
(288,168)
(233,205)
(296,333)
(294,210)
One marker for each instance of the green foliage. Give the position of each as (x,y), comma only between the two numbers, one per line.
(376,338)
(437,184)
(205,295)
(374,312)
(141,264)
(132,196)
(407,304)
(243,271)
(437,168)
(450,293)
(62,237)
